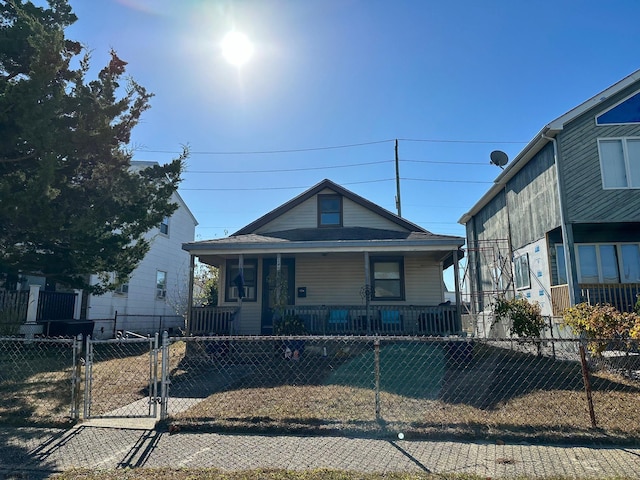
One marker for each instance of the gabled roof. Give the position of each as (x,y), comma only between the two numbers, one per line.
(285,207)
(543,137)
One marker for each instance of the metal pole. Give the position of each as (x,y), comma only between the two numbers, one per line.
(587,386)
(376,349)
(164,376)
(398,203)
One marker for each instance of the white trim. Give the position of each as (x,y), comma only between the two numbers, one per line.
(627,162)
(595,117)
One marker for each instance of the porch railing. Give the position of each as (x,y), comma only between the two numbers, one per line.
(384,320)
(622,296)
(211,320)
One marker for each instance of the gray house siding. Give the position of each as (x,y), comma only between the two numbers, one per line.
(586,200)
(533,200)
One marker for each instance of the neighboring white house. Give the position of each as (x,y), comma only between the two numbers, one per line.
(157,288)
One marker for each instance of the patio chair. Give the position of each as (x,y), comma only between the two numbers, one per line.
(391,320)
(338,320)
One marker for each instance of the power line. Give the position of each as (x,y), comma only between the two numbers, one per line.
(277,188)
(483,164)
(331,147)
(444,181)
(290,169)
(265,152)
(433,140)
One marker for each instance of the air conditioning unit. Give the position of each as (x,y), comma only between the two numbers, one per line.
(161,293)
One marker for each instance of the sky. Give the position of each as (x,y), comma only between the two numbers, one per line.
(332,84)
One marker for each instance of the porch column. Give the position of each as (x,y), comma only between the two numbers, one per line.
(77,306)
(32,308)
(190,292)
(236,321)
(367,289)
(456,278)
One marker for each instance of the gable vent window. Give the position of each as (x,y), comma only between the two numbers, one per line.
(620,162)
(329,210)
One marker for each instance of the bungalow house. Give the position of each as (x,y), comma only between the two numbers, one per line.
(333,261)
(561,224)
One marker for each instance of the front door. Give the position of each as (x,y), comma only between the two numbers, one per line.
(270,300)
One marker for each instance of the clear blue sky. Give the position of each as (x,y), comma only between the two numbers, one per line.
(467,77)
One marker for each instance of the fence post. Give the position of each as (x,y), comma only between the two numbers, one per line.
(164,376)
(76,377)
(587,386)
(376,349)
(88,366)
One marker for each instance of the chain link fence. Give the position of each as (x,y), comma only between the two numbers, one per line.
(369,385)
(464,387)
(39,380)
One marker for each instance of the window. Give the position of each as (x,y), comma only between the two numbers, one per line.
(623,113)
(164,226)
(603,263)
(387,278)
(122,289)
(248,280)
(329,210)
(161,284)
(620,162)
(521,267)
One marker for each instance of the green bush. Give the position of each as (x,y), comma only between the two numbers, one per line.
(289,325)
(526,318)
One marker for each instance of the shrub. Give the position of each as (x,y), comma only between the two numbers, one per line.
(603,323)
(289,325)
(526,318)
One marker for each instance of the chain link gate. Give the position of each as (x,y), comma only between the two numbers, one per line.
(121,378)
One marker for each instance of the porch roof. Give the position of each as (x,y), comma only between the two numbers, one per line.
(310,240)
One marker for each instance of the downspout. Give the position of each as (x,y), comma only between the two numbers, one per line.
(571,280)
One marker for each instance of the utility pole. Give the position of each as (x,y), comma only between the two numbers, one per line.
(398,205)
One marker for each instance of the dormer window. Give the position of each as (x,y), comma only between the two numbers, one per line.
(329,211)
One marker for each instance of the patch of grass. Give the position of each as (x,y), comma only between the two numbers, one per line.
(273,474)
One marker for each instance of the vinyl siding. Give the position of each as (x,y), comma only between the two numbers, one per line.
(305,215)
(165,254)
(586,200)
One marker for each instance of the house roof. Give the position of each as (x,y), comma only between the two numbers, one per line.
(326,183)
(142,164)
(336,239)
(542,138)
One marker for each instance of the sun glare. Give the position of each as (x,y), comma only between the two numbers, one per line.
(237,49)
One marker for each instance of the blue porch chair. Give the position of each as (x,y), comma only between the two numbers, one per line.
(338,320)
(391,320)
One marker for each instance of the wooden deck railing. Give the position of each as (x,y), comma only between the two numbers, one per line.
(622,296)
(211,320)
(384,320)
(343,320)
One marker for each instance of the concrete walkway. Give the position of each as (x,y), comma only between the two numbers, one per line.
(35,453)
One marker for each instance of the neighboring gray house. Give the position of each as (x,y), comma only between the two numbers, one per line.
(561,224)
(337,262)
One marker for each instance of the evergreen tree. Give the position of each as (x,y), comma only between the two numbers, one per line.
(70,204)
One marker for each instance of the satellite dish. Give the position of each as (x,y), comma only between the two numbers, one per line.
(499,158)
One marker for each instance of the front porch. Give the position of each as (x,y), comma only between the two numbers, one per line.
(622,296)
(429,320)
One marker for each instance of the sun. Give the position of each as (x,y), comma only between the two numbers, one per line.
(237,49)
